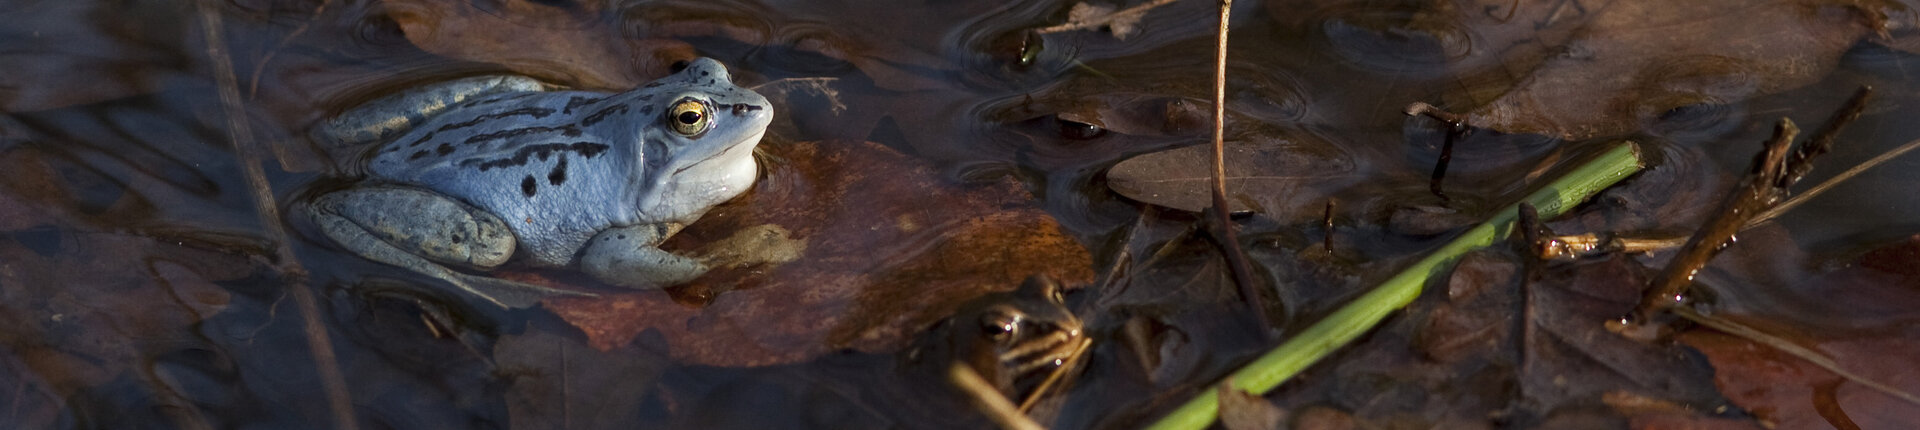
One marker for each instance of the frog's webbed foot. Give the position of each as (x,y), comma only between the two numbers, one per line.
(386,117)
(420,231)
(630,257)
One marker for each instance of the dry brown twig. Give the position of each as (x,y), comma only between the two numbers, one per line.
(1456,129)
(1228,239)
(1086,16)
(241,136)
(988,399)
(1774,170)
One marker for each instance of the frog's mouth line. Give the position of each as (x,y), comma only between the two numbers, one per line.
(697,163)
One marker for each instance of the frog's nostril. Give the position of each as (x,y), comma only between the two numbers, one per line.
(743,108)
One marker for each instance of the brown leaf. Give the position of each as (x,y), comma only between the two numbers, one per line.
(572,42)
(1570,357)
(890,248)
(1875,293)
(1789,392)
(1241,410)
(1636,61)
(1275,175)
(893,45)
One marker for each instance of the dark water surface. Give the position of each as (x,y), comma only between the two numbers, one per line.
(139,288)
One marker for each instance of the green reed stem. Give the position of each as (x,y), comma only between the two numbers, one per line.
(1361,315)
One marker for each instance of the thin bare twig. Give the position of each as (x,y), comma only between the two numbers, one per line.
(1326,227)
(989,400)
(1229,240)
(1800,198)
(1456,129)
(260,67)
(241,136)
(1096,23)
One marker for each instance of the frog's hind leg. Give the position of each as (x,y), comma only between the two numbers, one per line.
(421,231)
(387,117)
(630,257)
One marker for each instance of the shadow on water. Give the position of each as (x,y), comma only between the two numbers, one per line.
(139,290)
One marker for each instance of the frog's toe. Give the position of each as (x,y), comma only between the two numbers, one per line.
(643,268)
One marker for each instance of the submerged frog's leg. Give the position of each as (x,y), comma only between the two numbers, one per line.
(631,257)
(420,230)
(386,117)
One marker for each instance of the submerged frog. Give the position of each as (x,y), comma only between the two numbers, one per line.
(1013,339)
(478,172)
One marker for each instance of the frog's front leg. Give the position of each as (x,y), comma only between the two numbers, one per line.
(421,230)
(631,257)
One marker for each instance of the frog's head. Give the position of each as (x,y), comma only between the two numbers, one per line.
(699,152)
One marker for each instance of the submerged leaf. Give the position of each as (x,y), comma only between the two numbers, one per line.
(1857,316)
(1273,176)
(1637,63)
(1089,15)
(574,42)
(889,248)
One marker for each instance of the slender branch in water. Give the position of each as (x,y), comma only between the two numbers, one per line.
(1326,227)
(1363,313)
(1104,20)
(989,400)
(1753,193)
(1422,109)
(241,137)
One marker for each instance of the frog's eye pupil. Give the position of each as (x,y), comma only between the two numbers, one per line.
(999,326)
(688,117)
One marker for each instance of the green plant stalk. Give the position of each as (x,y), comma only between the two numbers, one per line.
(1356,318)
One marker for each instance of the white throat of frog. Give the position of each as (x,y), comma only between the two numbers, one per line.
(688,188)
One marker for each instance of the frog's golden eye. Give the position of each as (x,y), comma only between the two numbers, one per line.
(688,117)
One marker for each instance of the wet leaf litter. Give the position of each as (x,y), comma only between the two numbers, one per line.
(1076,154)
